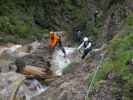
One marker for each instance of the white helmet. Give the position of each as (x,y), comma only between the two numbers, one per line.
(85,39)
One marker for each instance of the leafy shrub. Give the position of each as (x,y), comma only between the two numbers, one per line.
(130,20)
(119,52)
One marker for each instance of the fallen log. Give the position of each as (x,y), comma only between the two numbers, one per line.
(32,71)
(37,72)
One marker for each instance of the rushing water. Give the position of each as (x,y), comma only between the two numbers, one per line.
(59,62)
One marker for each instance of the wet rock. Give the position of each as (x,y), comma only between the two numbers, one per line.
(2,49)
(7,84)
(34,46)
(20,64)
(6,65)
(60,63)
(63,96)
(71,86)
(13,52)
(26,88)
(40,57)
(87,67)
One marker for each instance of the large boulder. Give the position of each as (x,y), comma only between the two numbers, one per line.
(14,85)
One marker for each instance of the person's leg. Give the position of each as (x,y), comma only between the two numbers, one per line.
(62,48)
(84,54)
(86,51)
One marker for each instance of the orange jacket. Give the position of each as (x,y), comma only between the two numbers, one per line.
(54,40)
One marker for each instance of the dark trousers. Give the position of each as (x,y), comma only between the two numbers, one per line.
(86,51)
(59,45)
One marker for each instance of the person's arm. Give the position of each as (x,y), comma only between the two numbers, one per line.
(81,46)
(88,46)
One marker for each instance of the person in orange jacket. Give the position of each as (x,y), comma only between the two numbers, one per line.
(55,40)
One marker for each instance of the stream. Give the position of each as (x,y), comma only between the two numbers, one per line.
(9,53)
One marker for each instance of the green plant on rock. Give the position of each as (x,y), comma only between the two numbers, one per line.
(130,20)
(128,90)
(119,52)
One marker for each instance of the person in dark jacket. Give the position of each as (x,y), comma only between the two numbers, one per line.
(86,45)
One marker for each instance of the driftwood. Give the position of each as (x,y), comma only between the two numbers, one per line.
(37,72)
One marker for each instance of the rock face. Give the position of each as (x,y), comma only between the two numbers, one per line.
(104,93)
(11,82)
(67,15)
(71,86)
(29,88)
(6,65)
(7,84)
(41,57)
(59,62)
(14,51)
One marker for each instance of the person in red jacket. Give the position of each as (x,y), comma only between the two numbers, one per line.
(55,41)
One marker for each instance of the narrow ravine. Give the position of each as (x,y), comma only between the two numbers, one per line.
(71,71)
(58,64)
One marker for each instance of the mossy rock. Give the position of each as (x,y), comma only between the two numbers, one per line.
(20,64)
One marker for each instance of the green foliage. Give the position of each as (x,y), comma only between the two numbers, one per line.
(119,52)
(14,26)
(28,19)
(17,21)
(130,20)
(128,90)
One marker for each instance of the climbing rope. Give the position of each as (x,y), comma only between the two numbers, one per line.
(93,78)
